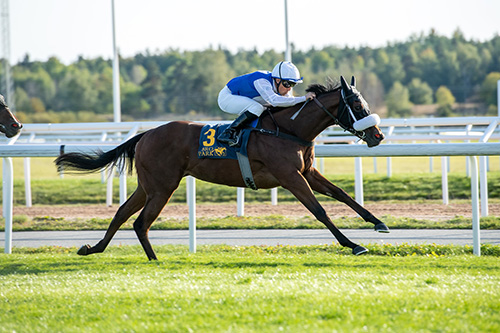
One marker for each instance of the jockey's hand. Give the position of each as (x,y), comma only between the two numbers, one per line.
(310,95)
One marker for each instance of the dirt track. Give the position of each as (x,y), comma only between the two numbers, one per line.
(433,211)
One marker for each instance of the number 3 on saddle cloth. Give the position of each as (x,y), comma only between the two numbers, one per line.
(209,147)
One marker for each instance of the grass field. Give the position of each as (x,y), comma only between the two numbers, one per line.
(405,288)
(248,289)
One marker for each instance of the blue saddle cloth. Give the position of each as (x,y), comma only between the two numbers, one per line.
(209,147)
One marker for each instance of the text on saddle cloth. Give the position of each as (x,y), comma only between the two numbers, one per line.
(209,147)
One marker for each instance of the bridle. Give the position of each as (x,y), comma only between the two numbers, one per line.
(343,107)
(355,126)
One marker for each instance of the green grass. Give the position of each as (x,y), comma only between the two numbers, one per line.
(250,289)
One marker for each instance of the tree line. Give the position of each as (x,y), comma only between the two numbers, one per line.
(426,69)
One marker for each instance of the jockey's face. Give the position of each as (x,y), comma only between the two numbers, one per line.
(281,89)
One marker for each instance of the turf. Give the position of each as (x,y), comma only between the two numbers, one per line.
(251,289)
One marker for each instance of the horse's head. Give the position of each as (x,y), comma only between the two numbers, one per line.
(354,115)
(9,125)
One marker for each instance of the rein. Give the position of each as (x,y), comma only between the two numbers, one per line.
(279,134)
(343,106)
(285,136)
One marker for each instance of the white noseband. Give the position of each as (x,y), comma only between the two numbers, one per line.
(366,122)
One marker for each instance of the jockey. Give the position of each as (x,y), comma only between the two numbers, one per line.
(249,94)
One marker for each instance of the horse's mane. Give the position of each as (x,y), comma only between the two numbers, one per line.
(318,89)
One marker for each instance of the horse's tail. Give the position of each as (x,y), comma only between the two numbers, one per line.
(88,163)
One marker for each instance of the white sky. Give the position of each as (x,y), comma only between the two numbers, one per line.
(69,28)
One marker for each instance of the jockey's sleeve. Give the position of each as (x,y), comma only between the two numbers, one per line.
(265,89)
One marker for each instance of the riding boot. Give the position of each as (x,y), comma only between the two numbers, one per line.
(231,135)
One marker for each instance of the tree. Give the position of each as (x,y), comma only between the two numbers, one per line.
(444,96)
(489,88)
(469,59)
(321,62)
(420,92)
(445,100)
(76,91)
(152,90)
(398,101)
(137,74)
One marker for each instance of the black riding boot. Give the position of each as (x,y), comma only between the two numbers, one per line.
(231,135)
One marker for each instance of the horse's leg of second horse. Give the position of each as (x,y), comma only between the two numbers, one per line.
(131,206)
(297,184)
(322,185)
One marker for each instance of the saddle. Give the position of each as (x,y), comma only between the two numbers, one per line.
(209,147)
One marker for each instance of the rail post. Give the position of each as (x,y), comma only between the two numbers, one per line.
(240,201)
(191,199)
(475,206)
(8,195)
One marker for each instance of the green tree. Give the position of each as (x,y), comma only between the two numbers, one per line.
(37,105)
(321,62)
(76,91)
(489,88)
(398,101)
(470,61)
(152,90)
(132,102)
(36,82)
(137,74)
(420,92)
(445,101)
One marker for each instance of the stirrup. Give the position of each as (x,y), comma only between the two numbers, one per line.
(235,142)
(229,137)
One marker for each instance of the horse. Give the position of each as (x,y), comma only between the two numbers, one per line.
(9,125)
(278,157)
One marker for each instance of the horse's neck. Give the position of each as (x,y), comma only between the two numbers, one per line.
(307,124)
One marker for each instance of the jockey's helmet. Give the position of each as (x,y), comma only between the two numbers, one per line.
(287,71)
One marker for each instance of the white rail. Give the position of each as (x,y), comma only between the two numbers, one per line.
(445,149)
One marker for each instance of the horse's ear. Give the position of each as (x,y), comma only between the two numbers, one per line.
(343,83)
(353,81)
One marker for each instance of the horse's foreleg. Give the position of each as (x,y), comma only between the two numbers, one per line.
(299,187)
(131,206)
(322,185)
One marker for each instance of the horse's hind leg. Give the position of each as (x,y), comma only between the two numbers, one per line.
(151,210)
(131,206)
(322,185)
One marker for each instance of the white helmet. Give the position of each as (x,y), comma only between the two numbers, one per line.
(287,71)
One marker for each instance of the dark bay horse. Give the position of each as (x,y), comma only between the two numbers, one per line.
(166,154)
(9,125)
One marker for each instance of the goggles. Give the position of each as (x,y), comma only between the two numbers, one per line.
(288,84)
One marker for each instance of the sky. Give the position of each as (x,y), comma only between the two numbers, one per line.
(68,29)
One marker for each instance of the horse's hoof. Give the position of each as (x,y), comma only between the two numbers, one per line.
(358,250)
(84,250)
(381,227)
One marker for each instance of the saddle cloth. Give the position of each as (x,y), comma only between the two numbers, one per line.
(209,147)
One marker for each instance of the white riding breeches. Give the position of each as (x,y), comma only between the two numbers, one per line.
(236,104)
